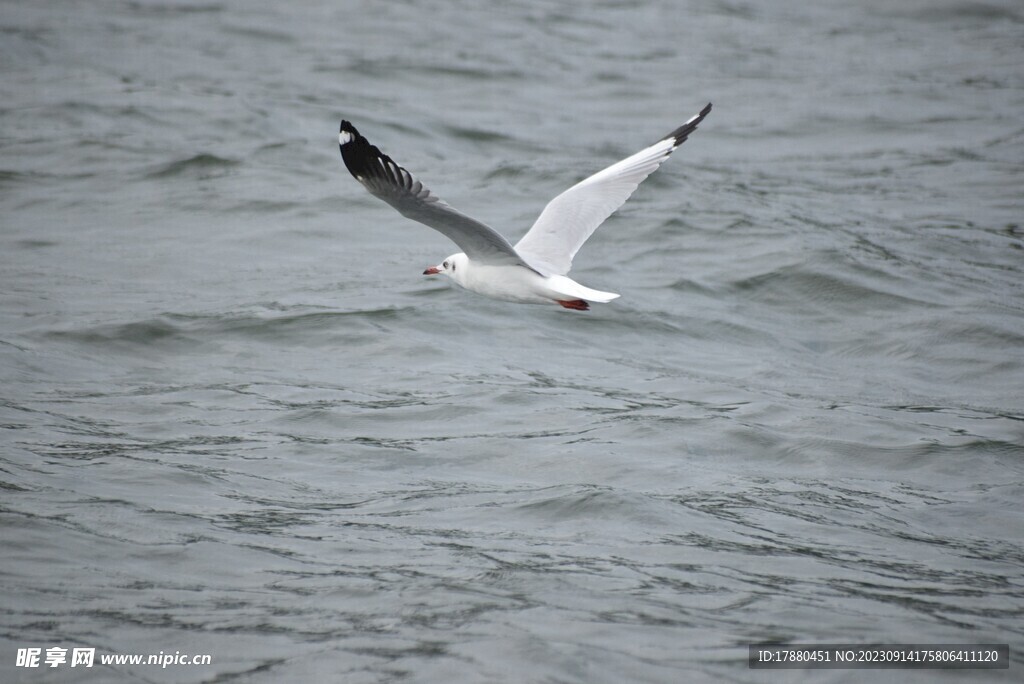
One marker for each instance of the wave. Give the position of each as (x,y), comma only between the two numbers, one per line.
(195,332)
(204,165)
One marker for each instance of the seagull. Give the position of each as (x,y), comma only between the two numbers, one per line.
(534,270)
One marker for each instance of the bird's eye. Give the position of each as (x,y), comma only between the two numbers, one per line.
(445,264)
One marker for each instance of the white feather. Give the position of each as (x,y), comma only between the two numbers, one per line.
(572,217)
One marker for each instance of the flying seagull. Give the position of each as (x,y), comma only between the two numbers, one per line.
(534,270)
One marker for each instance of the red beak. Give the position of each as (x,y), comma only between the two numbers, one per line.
(433,270)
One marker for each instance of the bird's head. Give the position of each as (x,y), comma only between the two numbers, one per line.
(450,267)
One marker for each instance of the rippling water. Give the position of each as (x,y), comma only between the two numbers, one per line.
(237,421)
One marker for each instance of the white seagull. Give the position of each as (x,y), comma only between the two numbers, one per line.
(534,271)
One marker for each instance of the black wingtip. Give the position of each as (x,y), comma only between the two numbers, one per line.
(348,128)
(355,150)
(683,132)
(365,161)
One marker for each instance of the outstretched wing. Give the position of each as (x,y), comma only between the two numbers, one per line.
(396,186)
(572,217)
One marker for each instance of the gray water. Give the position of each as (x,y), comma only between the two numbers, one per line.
(237,421)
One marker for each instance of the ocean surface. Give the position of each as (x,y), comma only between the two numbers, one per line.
(236,420)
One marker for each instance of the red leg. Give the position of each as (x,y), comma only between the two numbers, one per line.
(577,304)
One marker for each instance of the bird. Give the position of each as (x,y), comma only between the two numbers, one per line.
(534,270)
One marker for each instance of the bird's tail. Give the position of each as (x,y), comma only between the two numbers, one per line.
(568,288)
